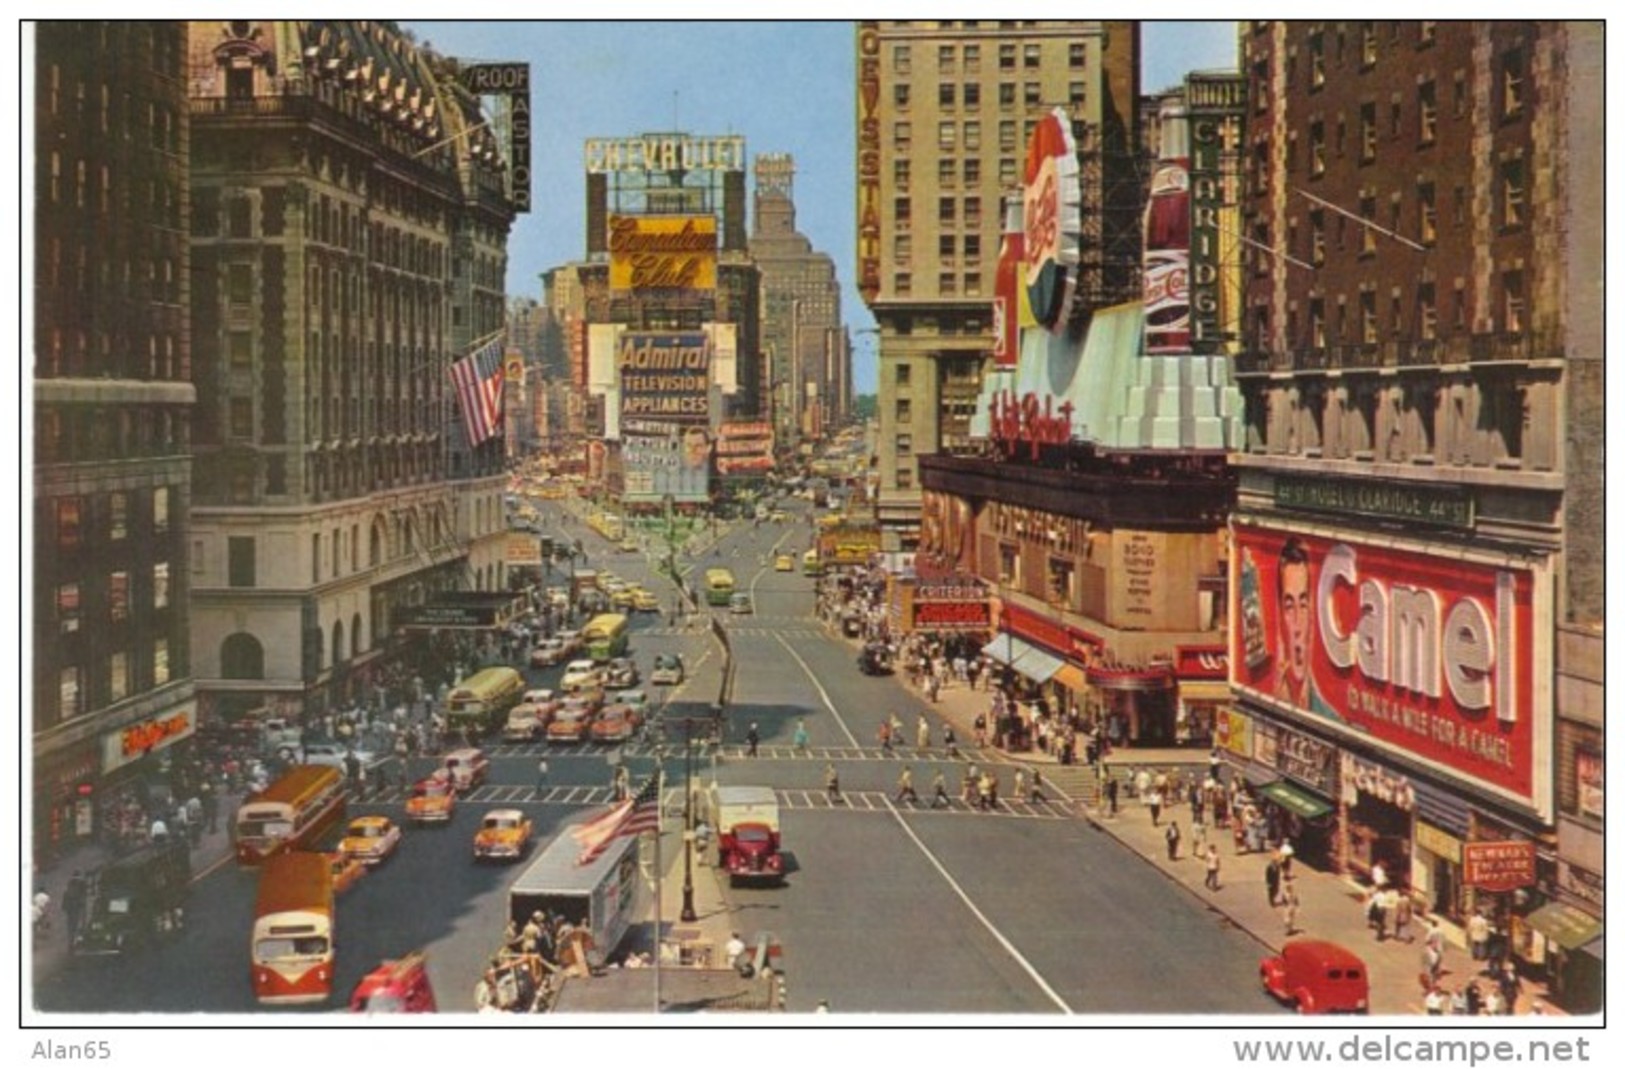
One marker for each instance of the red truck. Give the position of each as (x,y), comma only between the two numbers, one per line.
(747,824)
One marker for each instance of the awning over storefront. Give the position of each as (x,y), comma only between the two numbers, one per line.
(1002,649)
(1037,665)
(1070,676)
(1563,924)
(1295,799)
(1204,690)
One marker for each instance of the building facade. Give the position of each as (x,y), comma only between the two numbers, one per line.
(945,111)
(113,404)
(808,358)
(1417,503)
(348,227)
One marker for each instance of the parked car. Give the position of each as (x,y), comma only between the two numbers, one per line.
(616,723)
(548,651)
(582,673)
(503,833)
(432,800)
(668,670)
(370,839)
(620,673)
(1318,976)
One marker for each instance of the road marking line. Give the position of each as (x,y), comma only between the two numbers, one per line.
(1009,947)
(819,687)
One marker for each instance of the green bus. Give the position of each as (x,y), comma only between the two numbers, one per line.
(811,565)
(719,586)
(605,636)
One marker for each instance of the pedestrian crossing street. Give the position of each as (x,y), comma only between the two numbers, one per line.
(788,798)
(704,749)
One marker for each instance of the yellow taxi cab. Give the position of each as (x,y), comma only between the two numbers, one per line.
(616,723)
(784,562)
(623,598)
(346,870)
(503,833)
(370,839)
(645,601)
(432,799)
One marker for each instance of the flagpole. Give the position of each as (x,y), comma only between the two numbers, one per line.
(660,800)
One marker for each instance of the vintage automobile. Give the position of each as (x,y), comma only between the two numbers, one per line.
(784,562)
(571,640)
(668,670)
(136,899)
(616,723)
(620,673)
(370,839)
(525,722)
(740,605)
(623,597)
(548,651)
(1318,977)
(398,986)
(571,723)
(346,870)
(582,673)
(777,516)
(503,833)
(875,660)
(467,768)
(432,799)
(636,700)
(538,696)
(627,545)
(645,601)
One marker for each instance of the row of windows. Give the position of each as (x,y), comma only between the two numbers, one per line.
(124,117)
(949,247)
(950,211)
(116,598)
(73,267)
(951,94)
(115,514)
(126,674)
(78,433)
(1371,319)
(953,135)
(90,186)
(949,284)
(968,57)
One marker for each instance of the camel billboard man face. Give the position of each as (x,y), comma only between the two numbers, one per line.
(1296,623)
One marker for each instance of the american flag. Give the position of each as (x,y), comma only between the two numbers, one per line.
(477,378)
(636,815)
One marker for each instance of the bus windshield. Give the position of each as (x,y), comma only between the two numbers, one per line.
(290,949)
(719,586)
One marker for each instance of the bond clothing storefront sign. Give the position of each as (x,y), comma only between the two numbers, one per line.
(134,741)
(1431,658)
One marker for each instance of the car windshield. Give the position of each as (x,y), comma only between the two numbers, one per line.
(500,823)
(752,835)
(366,831)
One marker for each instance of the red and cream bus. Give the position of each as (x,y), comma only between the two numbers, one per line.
(291,814)
(292,947)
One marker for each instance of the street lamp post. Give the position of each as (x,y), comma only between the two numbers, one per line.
(688,915)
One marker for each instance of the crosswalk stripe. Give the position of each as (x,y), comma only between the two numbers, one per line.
(789,798)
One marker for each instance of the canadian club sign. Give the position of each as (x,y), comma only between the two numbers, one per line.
(1029,422)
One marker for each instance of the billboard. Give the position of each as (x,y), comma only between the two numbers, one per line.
(1425,655)
(522,550)
(513,81)
(1052,220)
(654,252)
(665,377)
(868,126)
(658,461)
(744,448)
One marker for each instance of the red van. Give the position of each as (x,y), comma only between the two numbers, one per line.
(1318,976)
(400,986)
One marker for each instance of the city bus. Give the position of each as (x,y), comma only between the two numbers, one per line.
(292,813)
(292,947)
(605,636)
(811,565)
(481,702)
(719,586)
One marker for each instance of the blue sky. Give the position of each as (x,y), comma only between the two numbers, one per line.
(786,86)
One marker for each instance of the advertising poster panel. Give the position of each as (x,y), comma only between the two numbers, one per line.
(1052,219)
(665,377)
(744,448)
(1430,657)
(654,252)
(660,460)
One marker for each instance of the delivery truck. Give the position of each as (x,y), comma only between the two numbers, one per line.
(746,820)
(601,898)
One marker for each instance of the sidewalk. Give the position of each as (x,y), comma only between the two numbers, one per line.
(1331,906)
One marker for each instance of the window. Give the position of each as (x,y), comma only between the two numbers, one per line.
(973,211)
(903,374)
(118,677)
(1512,87)
(1075,93)
(973,248)
(1458,209)
(1007,57)
(67,523)
(70,695)
(118,597)
(945,247)
(1427,214)
(945,57)
(973,63)
(1061,580)
(902,248)
(905,410)
(945,94)
(973,136)
(1317,59)
(160,585)
(118,516)
(901,212)
(973,170)
(1368,132)
(900,172)
(902,135)
(1458,306)
(1368,317)
(160,510)
(1317,148)
(1007,135)
(1427,312)
(947,133)
(160,662)
(973,95)
(1075,55)
(1029,56)
(947,172)
(1368,236)
(1512,194)
(1317,323)
(901,58)
(242,417)
(905,479)
(905,445)
(1427,113)
(1396,314)
(899,94)
(945,210)
(1007,94)
(1427,31)
(240,570)
(903,283)
(1317,237)
(1512,307)
(67,607)
(973,284)
(1368,44)
(1030,94)
(1007,170)
(239,283)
